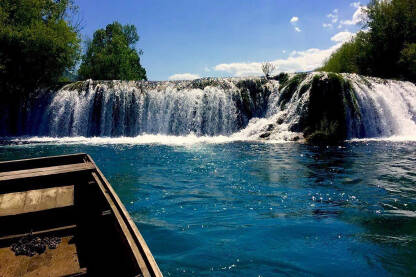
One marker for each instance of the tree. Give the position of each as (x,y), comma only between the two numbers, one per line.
(350,57)
(392,26)
(111,55)
(267,68)
(408,60)
(38,43)
(386,49)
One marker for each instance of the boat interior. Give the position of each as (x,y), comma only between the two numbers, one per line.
(67,197)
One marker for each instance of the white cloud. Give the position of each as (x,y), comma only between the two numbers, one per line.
(284,51)
(294,19)
(184,76)
(307,60)
(333,16)
(240,69)
(358,16)
(342,37)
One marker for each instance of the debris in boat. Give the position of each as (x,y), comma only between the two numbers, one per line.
(30,246)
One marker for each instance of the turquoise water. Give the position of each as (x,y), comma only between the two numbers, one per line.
(252,209)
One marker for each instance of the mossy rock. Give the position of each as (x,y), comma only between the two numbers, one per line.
(283,78)
(290,86)
(254,85)
(304,88)
(78,86)
(322,138)
(325,121)
(251,99)
(206,82)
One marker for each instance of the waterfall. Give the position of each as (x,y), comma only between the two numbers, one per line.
(236,108)
(117,108)
(387,108)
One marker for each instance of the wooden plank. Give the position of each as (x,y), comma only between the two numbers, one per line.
(82,272)
(62,261)
(33,199)
(12,203)
(42,162)
(37,221)
(42,232)
(45,171)
(49,158)
(140,242)
(36,200)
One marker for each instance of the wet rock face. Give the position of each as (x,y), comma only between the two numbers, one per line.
(316,107)
(325,120)
(30,246)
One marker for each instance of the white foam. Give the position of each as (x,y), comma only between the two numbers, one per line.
(191,139)
(285,137)
(387,139)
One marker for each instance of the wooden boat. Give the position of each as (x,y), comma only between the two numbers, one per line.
(68,197)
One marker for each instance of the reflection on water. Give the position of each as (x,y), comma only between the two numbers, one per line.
(249,209)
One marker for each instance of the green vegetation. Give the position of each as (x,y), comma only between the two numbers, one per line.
(408,60)
(111,55)
(38,44)
(79,86)
(347,57)
(387,49)
(282,78)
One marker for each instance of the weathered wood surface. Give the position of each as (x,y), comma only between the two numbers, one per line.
(42,162)
(64,260)
(53,231)
(45,171)
(36,200)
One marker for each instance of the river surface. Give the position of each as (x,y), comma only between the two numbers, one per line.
(256,209)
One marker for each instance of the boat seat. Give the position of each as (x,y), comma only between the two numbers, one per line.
(36,200)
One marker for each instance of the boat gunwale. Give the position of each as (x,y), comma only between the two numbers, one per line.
(124,217)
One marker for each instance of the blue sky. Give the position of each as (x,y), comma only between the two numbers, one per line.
(185,39)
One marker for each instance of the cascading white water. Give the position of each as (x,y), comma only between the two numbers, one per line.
(129,109)
(279,119)
(230,109)
(387,108)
